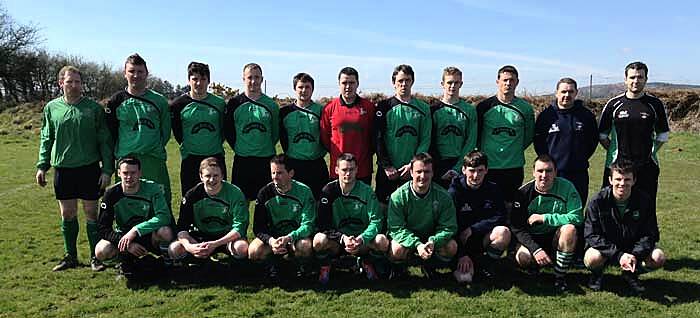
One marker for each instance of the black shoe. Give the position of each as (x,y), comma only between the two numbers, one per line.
(398,272)
(595,282)
(429,272)
(272,273)
(632,280)
(97,265)
(487,271)
(67,262)
(126,270)
(560,285)
(302,271)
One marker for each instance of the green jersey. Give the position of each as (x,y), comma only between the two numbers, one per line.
(198,125)
(214,215)
(251,127)
(403,130)
(505,131)
(413,219)
(146,210)
(279,214)
(454,131)
(75,136)
(560,205)
(139,124)
(354,214)
(300,131)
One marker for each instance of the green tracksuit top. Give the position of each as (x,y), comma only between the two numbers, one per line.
(354,214)
(562,205)
(279,214)
(139,124)
(300,131)
(146,210)
(413,220)
(198,125)
(403,130)
(214,215)
(74,136)
(454,130)
(505,131)
(251,127)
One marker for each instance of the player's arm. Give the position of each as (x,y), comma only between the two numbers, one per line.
(161,216)
(529,114)
(605,124)
(645,244)
(105,219)
(376,219)
(241,218)
(594,234)
(379,135)
(542,124)
(111,115)
(283,133)
(472,131)
(591,134)
(105,142)
(308,219)
(175,110)
(325,214)
(325,126)
(396,223)
(261,223)
(426,127)
(165,122)
(275,124)
(446,226)
(230,122)
(499,217)
(46,140)
(574,211)
(519,226)
(661,126)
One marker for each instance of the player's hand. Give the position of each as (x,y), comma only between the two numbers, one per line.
(465,264)
(535,219)
(127,239)
(464,235)
(542,258)
(405,171)
(391,173)
(137,249)
(41,177)
(425,251)
(104,180)
(449,175)
(628,262)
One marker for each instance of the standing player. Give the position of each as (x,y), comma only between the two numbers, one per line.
(403,130)
(139,121)
(284,219)
(454,128)
(421,220)
(633,126)
(213,217)
(198,126)
(300,136)
(251,128)
(544,219)
(347,125)
(506,128)
(349,220)
(75,140)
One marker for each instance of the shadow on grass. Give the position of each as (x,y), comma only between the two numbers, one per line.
(675,264)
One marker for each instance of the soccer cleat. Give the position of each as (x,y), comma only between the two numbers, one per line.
(67,262)
(272,273)
(632,280)
(368,269)
(324,274)
(560,285)
(398,272)
(97,265)
(595,282)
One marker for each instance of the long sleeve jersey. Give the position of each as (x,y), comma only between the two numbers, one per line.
(146,210)
(251,127)
(198,125)
(75,136)
(279,214)
(349,128)
(454,131)
(139,124)
(214,215)
(570,135)
(480,209)
(414,219)
(403,130)
(356,213)
(505,131)
(300,131)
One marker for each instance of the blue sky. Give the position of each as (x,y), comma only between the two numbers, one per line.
(545,40)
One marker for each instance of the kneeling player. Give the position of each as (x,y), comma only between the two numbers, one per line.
(620,230)
(481,218)
(213,217)
(284,219)
(142,217)
(421,220)
(349,219)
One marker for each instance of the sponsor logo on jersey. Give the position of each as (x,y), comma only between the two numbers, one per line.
(254,126)
(143,122)
(363,111)
(451,129)
(488,204)
(303,136)
(507,130)
(203,125)
(623,114)
(295,208)
(406,130)
(214,219)
(554,128)
(635,214)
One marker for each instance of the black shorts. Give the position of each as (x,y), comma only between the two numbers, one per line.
(508,180)
(474,245)
(77,183)
(202,237)
(189,170)
(313,173)
(546,242)
(441,167)
(250,174)
(147,242)
(385,187)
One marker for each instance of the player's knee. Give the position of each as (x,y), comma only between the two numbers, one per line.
(304,248)
(239,248)
(567,237)
(523,257)
(397,252)
(657,259)
(258,252)
(164,234)
(176,250)
(90,208)
(320,242)
(104,250)
(500,237)
(448,250)
(381,242)
(593,259)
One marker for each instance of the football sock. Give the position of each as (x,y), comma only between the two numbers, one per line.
(69,229)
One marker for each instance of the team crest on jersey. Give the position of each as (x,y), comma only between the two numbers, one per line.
(488,204)
(578,126)
(635,214)
(295,208)
(358,205)
(466,207)
(363,111)
(554,128)
(644,115)
(212,111)
(623,114)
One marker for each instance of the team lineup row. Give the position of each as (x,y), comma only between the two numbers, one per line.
(137,122)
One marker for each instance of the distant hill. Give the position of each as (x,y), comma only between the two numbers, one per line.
(610,90)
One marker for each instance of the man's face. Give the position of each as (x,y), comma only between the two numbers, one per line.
(280,176)
(544,174)
(135,75)
(475,175)
(421,175)
(635,80)
(304,90)
(451,85)
(621,185)
(198,84)
(566,94)
(348,86)
(402,84)
(130,175)
(211,177)
(507,82)
(71,84)
(252,80)
(346,171)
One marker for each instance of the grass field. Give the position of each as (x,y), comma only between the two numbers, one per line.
(30,245)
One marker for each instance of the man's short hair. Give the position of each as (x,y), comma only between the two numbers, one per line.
(474,159)
(507,69)
(304,78)
(567,80)
(349,71)
(623,166)
(637,66)
(252,66)
(136,59)
(406,69)
(545,158)
(346,156)
(199,69)
(68,69)
(423,157)
(281,159)
(209,162)
(129,160)
(450,70)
